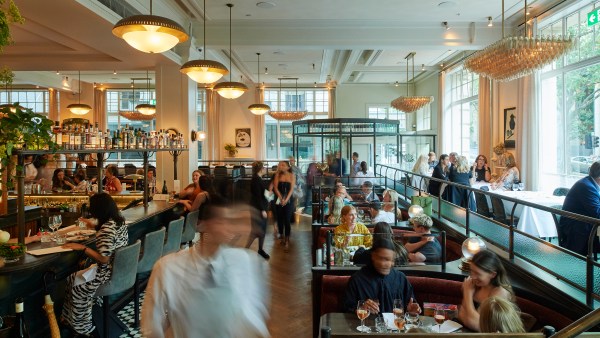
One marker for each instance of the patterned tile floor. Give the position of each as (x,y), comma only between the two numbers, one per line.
(126,315)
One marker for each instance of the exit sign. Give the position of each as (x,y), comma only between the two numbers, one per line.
(592,17)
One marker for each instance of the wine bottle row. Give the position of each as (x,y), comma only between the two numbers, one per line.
(91,137)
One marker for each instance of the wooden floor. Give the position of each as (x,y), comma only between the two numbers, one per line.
(291,306)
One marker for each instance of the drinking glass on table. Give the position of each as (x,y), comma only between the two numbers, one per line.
(398,311)
(362,312)
(521,186)
(54,225)
(440,317)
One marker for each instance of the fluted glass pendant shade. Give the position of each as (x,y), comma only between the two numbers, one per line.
(146,109)
(231,90)
(79,108)
(410,104)
(150,33)
(259,108)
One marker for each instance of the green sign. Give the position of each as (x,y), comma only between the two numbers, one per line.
(592,17)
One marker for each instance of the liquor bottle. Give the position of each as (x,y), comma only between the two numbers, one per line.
(107,141)
(71,138)
(115,141)
(65,137)
(19,328)
(120,139)
(88,137)
(93,137)
(57,134)
(164,188)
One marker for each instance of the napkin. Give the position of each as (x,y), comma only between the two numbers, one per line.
(389,320)
(448,326)
(47,251)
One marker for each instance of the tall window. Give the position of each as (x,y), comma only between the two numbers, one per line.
(123,100)
(570,102)
(279,136)
(461,113)
(35,99)
(200,116)
(384,111)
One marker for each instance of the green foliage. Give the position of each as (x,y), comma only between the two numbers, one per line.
(8,15)
(231,148)
(12,250)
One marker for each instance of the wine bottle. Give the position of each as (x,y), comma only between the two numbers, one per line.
(164,189)
(19,329)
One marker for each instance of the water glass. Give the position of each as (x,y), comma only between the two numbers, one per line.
(412,319)
(45,237)
(380,325)
(60,239)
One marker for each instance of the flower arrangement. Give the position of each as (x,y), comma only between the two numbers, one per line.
(231,149)
(12,250)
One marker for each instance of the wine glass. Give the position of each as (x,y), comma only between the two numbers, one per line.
(56,223)
(521,186)
(515,186)
(440,317)
(362,312)
(361,214)
(398,308)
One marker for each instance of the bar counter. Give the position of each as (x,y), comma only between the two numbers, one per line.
(25,278)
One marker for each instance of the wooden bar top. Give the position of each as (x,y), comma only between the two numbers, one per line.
(132,216)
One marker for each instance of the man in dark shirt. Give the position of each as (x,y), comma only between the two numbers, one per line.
(378,283)
(426,248)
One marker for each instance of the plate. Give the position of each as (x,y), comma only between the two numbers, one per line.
(81,233)
(77,238)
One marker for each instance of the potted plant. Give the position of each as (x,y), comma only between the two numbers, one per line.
(231,149)
(9,13)
(25,130)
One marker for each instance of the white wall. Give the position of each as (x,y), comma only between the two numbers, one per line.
(235,114)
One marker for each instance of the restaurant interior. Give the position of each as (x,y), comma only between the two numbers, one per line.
(239,82)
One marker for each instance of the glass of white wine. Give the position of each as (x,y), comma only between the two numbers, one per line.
(362,312)
(440,317)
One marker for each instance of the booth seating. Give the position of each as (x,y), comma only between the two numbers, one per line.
(434,290)
(151,252)
(174,232)
(122,279)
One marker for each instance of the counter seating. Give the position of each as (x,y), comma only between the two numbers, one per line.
(434,290)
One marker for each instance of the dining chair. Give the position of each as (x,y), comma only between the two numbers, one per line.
(561,191)
(220,170)
(499,213)
(559,230)
(189,227)
(205,169)
(174,232)
(150,253)
(124,268)
(483,207)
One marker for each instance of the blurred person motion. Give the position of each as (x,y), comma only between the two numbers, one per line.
(213,289)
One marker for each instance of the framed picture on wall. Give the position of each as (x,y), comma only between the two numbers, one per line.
(510,127)
(243,137)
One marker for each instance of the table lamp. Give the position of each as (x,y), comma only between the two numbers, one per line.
(470,247)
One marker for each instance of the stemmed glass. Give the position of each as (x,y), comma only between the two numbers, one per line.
(362,311)
(54,223)
(361,215)
(398,311)
(440,317)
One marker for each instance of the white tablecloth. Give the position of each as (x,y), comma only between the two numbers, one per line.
(533,221)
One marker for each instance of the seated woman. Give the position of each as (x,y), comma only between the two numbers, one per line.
(461,175)
(112,183)
(111,235)
(81,183)
(421,168)
(481,170)
(390,200)
(382,230)
(423,248)
(336,203)
(440,171)
(201,198)
(362,175)
(510,174)
(499,315)
(487,278)
(350,226)
(191,190)
(60,182)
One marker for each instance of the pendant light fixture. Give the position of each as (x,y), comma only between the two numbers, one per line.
(288,115)
(410,104)
(147,108)
(230,90)
(258,108)
(204,71)
(79,108)
(150,33)
(134,115)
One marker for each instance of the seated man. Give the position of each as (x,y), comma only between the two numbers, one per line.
(380,215)
(367,191)
(378,283)
(425,248)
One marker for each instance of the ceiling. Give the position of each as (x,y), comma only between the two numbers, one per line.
(316,41)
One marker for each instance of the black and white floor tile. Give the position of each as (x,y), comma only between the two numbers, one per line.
(127,315)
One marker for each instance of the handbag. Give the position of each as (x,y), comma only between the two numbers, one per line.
(426,202)
(298,192)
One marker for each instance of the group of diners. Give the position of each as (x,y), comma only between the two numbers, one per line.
(416,246)
(455,168)
(487,301)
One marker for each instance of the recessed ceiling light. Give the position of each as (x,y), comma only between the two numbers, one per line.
(265,4)
(278,52)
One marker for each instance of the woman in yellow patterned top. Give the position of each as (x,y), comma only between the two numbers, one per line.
(350,226)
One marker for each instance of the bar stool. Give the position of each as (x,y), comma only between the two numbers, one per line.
(174,232)
(189,228)
(124,267)
(151,252)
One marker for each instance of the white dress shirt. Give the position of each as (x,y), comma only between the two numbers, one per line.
(384,216)
(189,296)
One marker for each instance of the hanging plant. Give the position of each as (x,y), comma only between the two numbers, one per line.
(9,13)
(25,130)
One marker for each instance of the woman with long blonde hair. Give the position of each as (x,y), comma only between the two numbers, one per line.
(421,168)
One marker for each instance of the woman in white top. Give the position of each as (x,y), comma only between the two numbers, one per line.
(421,168)
(510,174)
(362,175)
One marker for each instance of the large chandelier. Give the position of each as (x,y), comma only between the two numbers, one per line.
(288,115)
(79,108)
(150,33)
(516,56)
(258,108)
(230,90)
(204,71)
(146,108)
(135,115)
(409,104)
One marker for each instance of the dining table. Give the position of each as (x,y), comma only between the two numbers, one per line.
(536,222)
